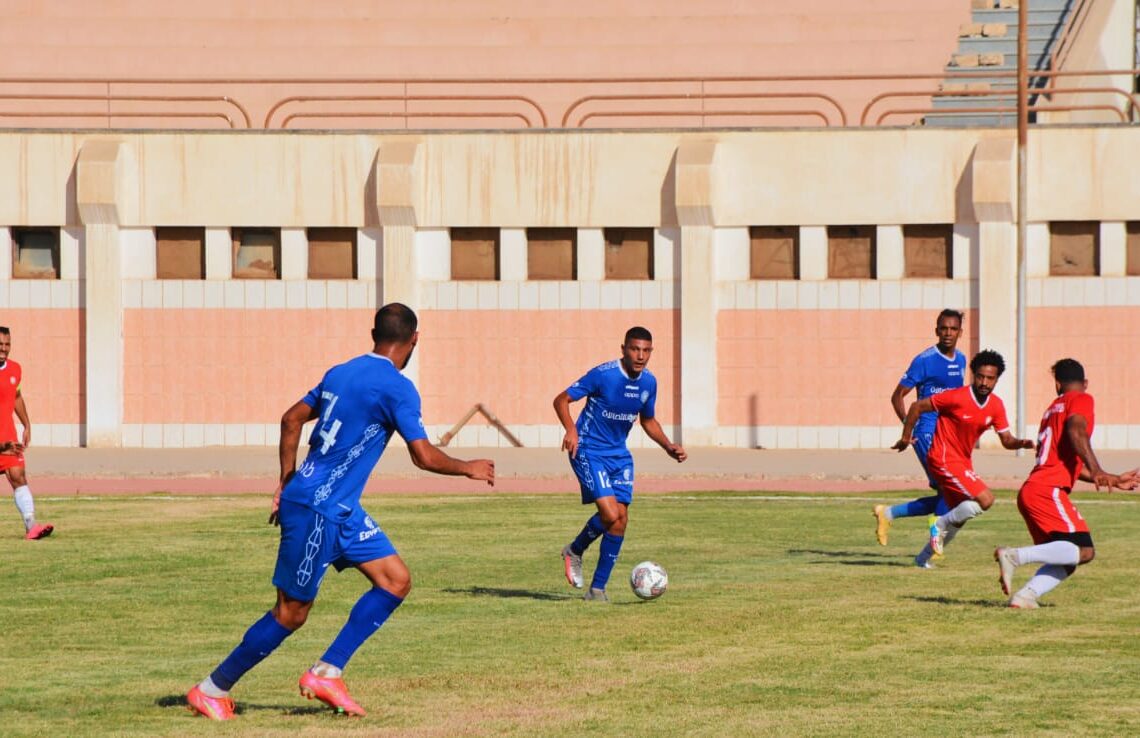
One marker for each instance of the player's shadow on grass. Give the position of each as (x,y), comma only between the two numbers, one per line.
(851,558)
(942,600)
(512,593)
(179,701)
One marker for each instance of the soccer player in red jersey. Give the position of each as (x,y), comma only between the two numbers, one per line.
(964,414)
(11,448)
(1064,454)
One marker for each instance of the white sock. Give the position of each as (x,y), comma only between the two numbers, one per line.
(957,517)
(948,535)
(1046,578)
(22,496)
(1054,552)
(210,689)
(323,669)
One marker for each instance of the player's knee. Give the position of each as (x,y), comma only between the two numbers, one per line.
(290,615)
(400,585)
(1088,553)
(984,501)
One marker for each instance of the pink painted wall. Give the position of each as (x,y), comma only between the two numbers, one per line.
(444,39)
(515,362)
(231,366)
(1098,337)
(48,344)
(819,367)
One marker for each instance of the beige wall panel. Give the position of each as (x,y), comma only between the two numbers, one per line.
(1084,174)
(35,187)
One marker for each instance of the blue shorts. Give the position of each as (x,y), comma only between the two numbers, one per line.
(310,542)
(922,441)
(604,476)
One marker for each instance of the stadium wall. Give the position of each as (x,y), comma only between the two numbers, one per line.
(116,356)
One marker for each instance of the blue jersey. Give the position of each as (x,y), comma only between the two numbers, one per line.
(932,372)
(613,402)
(359,404)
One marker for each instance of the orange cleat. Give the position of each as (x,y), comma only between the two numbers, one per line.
(36,532)
(215,708)
(331,691)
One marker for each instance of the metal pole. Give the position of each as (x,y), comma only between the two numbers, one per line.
(1022,177)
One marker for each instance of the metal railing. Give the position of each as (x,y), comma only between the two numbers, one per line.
(697,102)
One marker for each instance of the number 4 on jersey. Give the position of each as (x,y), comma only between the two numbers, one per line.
(328,432)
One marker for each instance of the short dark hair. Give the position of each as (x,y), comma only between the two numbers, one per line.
(951,313)
(987,357)
(637,333)
(1068,370)
(4,330)
(394,323)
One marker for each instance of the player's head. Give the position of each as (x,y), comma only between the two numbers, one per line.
(636,349)
(986,366)
(5,342)
(948,328)
(394,332)
(1069,375)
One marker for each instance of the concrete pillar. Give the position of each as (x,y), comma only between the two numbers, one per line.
(513,255)
(219,254)
(591,254)
(1113,248)
(395,176)
(994,181)
(694,199)
(294,254)
(106,196)
(813,253)
(890,256)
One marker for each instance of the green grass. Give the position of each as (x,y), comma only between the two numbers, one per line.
(782,618)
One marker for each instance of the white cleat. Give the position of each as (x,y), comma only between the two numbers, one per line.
(1023,602)
(573,565)
(1006,559)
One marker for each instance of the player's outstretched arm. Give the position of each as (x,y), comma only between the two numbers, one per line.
(897,401)
(1012,442)
(562,410)
(912,415)
(429,458)
(1077,432)
(654,430)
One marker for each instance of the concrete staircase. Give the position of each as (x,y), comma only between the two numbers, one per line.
(987,48)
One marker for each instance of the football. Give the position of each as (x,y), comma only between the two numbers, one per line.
(648,580)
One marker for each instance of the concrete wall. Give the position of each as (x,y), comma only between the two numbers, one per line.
(115,356)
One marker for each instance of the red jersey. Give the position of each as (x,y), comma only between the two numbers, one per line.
(962,421)
(1057,462)
(10,375)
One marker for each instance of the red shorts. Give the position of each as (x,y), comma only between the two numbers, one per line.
(956,481)
(1048,510)
(8,461)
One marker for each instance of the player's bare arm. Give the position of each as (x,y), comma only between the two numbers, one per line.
(1012,442)
(1077,432)
(22,414)
(897,401)
(292,422)
(562,410)
(654,430)
(429,458)
(912,415)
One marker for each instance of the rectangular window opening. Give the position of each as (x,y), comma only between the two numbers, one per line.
(257,253)
(928,251)
(180,252)
(851,252)
(552,253)
(629,253)
(1074,248)
(332,253)
(775,252)
(35,253)
(475,254)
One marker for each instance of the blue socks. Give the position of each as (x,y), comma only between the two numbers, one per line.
(259,641)
(368,614)
(921,506)
(589,534)
(607,557)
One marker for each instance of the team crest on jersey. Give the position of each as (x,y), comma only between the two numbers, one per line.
(12,380)
(644,396)
(625,473)
(989,419)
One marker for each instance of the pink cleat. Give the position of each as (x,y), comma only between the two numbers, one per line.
(331,691)
(215,708)
(38,531)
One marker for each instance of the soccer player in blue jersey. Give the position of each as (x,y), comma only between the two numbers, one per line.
(358,405)
(940,367)
(617,393)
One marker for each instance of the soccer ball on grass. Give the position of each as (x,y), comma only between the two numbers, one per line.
(648,580)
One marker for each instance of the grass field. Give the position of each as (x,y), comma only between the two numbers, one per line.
(783,618)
